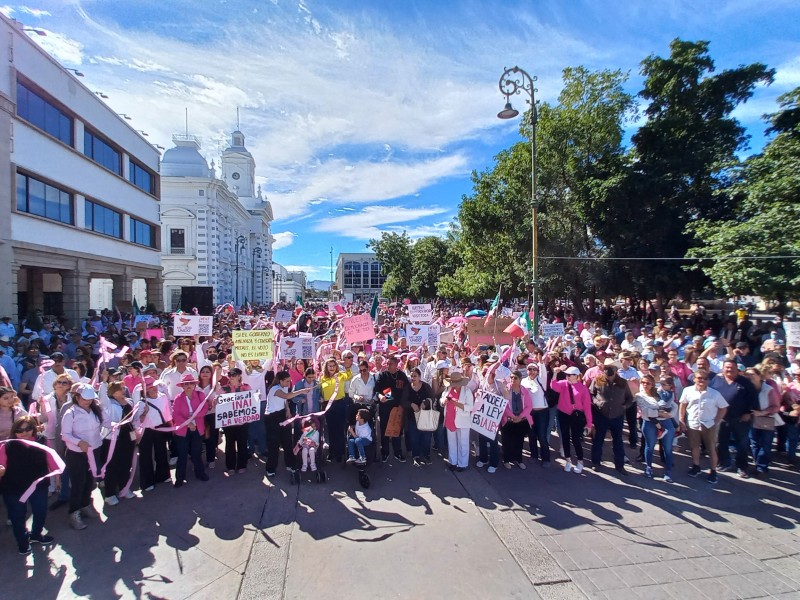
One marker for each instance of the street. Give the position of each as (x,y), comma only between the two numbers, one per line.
(427,532)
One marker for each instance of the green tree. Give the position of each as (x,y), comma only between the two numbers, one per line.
(679,169)
(395,253)
(429,263)
(767,189)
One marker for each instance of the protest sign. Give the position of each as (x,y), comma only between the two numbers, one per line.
(141,322)
(283,316)
(420,313)
(490,333)
(446,337)
(358,328)
(417,335)
(486,419)
(792,330)
(156,333)
(434,332)
(237,408)
(255,344)
(379,345)
(192,325)
(552,330)
(297,347)
(507,312)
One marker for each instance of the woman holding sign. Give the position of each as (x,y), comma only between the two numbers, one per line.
(236,454)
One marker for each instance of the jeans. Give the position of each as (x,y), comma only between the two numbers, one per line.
(420,440)
(63,495)
(540,435)
(552,423)
(761,447)
(189,445)
(792,439)
(256,436)
(665,443)
(601,425)
(17,513)
(738,433)
(359,443)
(488,450)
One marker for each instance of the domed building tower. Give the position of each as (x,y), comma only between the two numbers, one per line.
(203,227)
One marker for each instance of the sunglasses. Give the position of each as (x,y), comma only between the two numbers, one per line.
(701,378)
(62,382)
(25,429)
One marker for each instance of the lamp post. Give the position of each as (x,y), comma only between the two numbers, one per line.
(515,81)
(256,252)
(240,240)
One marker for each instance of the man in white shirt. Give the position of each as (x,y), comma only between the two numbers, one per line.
(631,344)
(703,408)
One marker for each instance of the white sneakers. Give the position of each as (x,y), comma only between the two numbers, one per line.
(579,467)
(568,466)
(492,469)
(112,500)
(480,464)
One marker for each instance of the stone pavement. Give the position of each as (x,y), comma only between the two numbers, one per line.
(427,532)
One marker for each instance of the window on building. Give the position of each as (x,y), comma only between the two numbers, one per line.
(102,219)
(142,233)
(142,177)
(101,152)
(375,282)
(41,113)
(177,241)
(352,274)
(175,298)
(38,198)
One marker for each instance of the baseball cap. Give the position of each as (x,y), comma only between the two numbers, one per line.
(573,371)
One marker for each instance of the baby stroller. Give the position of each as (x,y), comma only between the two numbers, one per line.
(321,457)
(371,451)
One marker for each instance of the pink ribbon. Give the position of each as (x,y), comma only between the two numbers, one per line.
(318,413)
(60,466)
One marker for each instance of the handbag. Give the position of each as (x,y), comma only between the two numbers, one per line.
(578,416)
(764,423)
(427,418)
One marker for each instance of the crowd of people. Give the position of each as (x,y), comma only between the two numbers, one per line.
(102,403)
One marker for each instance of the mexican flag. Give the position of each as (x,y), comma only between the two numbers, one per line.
(298,301)
(521,326)
(373,312)
(494,308)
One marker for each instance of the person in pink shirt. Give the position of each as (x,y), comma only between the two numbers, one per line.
(593,369)
(680,369)
(574,415)
(134,376)
(188,411)
(516,421)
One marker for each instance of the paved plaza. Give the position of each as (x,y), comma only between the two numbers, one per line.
(429,533)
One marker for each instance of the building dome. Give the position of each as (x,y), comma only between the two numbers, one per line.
(184,160)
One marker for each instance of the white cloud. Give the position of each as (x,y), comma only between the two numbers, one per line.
(283,239)
(365,225)
(59,46)
(312,271)
(35,12)
(436,229)
(787,75)
(7,10)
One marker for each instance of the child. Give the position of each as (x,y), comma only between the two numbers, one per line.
(666,402)
(359,436)
(308,443)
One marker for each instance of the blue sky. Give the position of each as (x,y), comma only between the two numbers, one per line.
(370,116)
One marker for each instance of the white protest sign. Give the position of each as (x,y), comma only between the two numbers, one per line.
(236,408)
(297,347)
(433,335)
(379,345)
(283,316)
(552,330)
(420,313)
(192,325)
(486,419)
(417,335)
(792,333)
(506,312)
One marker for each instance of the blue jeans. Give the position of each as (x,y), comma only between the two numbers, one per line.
(552,423)
(257,436)
(17,513)
(540,435)
(792,439)
(761,446)
(666,444)
(63,495)
(488,450)
(601,425)
(359,443)
(737,432)
(420,440)
(650,434)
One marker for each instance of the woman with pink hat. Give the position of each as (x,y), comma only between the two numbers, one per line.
(188,410)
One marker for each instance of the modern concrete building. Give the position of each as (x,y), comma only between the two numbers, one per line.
(358,276)
(211,235)
(82,191)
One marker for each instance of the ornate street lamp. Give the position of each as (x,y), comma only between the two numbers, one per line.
(515,81)
(256,252)
(240,241)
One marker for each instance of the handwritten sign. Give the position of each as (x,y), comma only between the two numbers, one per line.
(236,408)
(420,313)
(417,335)
(297,347)
(192,325)
(490,333)
(358,328)
(552,330)
(379,345)
(256,344)
(792,330)
(283,316)
(486,418)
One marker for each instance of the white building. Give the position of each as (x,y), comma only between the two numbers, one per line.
(84,191)
(210,235)
(288,285)
(358,276)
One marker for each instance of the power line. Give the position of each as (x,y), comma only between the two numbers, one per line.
(682,258)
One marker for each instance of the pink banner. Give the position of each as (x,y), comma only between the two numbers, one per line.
(358,328)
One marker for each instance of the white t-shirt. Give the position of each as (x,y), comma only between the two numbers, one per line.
(702,407)
(274,402)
